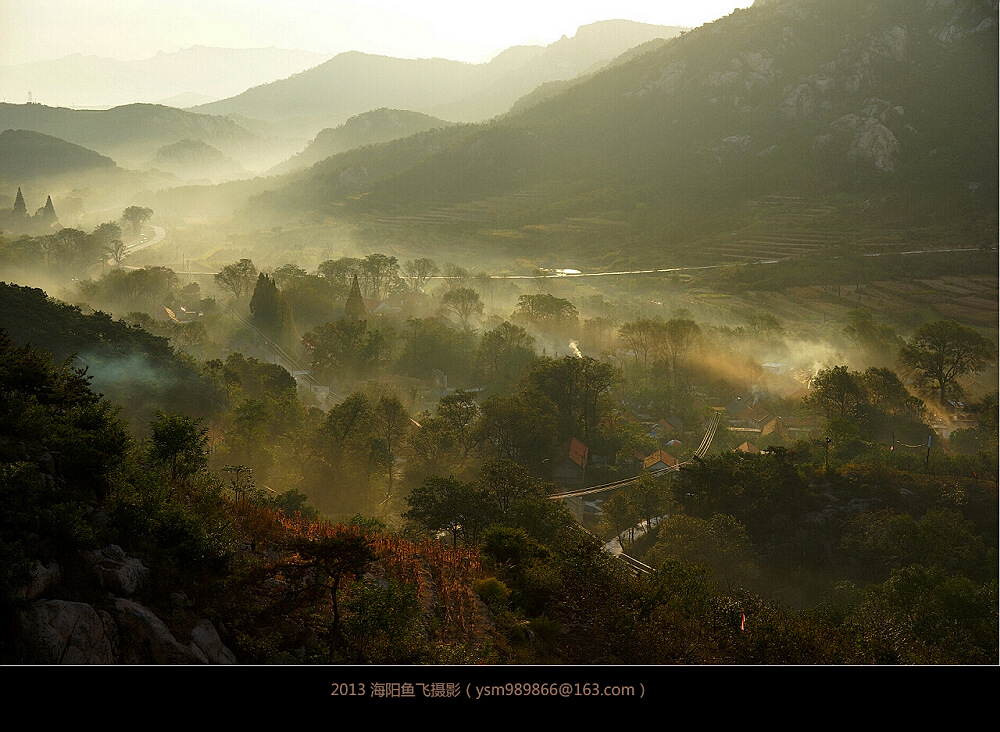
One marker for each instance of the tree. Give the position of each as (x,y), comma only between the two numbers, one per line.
(136,216)
(237,278)
(432,343)
(443,504)
(545,310)
(179,442)
(503,353)
(680,334)
(576,386)
(419,271)
(869,335)
(270,312)
(354,309)
(887,393)
(380,273)
(344,553)
(641,337)
(345,348)
(943,351)
(521,427)
(20,208)
(47,213)
(340,270)
(463,302)
(391,422)
(287,273)
(835,392)
(117,250)
(460,411)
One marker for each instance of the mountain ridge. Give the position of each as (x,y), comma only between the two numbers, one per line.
(887,107)
(354,82)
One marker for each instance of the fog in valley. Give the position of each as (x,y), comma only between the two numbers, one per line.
(369,333)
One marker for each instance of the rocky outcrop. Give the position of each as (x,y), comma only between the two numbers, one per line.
(61,632)
(147,639)
(43,578)
(207,645)
(869,139)
(65,632)
(116,572)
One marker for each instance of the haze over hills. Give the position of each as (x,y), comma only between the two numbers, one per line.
(379,125)
(196,159)
(199,73)
(887,111)
(132,134)
(28,155)
(352,83)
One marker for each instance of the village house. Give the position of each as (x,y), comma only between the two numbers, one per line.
(570,466)
(658,461)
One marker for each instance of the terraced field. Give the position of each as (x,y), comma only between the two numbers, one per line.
(971,300)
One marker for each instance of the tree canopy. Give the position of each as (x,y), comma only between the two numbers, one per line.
(136,216)
(943,351)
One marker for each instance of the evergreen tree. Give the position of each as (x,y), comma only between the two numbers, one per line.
(271,314)
(20,209)
(354,309)
(48,212)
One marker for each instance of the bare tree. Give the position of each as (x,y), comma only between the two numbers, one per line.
(238,278)
(419,271)
(464,302)
(117,250)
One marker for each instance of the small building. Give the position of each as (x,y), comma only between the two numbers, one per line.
(775,428)
(658,461)
(570,466)
(749,448)
(801,427)
(175,315)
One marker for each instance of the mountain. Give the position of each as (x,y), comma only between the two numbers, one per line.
(352,83)
(196,159)
(379,125)
(26,155)
(95,82)
(864,115)
(130,134)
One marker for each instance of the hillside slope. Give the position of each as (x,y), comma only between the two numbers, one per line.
(881,113)
(132,134)
(27,155)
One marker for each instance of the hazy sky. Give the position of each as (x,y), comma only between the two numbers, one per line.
(466,30)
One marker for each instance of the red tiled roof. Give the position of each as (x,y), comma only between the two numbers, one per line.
(575,451)
(660,456)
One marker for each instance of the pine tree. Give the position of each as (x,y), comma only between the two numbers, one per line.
(20,209)
(264,306)
(354,309)
(48,212)
(271,313)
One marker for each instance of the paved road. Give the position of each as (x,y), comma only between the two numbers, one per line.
(159,234)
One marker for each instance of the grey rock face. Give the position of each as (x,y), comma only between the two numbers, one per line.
(44,577)
(206,642)
(146,639)
(118,573)
(60,632)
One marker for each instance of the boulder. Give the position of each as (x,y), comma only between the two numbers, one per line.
(117,572)
(206,643)
(146,639)
(43,578)
(61,632)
